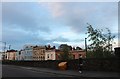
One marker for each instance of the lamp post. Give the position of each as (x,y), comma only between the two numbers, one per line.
(86,45)
(9,47)
(4,49)
(4,45)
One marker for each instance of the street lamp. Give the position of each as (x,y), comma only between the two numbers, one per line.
(9,47)
(4,45)
(86,45)
(4,48)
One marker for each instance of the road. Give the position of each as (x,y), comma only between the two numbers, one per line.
(17,71)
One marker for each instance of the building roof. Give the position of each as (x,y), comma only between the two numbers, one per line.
(12,50)
(72,51)
(77,51)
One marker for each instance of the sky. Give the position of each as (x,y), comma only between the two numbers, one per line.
(55,23)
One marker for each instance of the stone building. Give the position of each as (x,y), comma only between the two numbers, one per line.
(31,53)
(11,54)
(20,55)
(39,53)
(77,53)
(27,53)
(50,53)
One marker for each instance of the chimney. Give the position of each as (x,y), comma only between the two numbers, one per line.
(49,46)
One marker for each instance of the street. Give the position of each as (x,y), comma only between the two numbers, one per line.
(16,71)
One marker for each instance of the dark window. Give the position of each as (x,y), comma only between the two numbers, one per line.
(80,55)
(19,52)
(48,55)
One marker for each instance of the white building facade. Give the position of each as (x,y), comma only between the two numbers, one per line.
(20,55)
(50,54)
(27,53)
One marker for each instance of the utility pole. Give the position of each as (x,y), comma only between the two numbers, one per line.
(86,45)
(4,49)
(9,47)
(4,55)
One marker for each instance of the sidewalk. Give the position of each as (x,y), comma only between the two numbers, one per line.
(76,73)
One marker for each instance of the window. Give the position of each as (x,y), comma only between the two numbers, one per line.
(80,55)
(51,56)
(43,57)
(43,51)
(48,56)
(19,52)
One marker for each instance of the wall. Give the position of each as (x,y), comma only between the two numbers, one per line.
(28,55)
(11,55)
(51,54)
(106,64)
(77,53)
(39,53)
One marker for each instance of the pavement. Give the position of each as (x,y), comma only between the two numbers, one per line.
(75,73)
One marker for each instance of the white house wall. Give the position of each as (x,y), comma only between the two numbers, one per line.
(28,55)
(51,55)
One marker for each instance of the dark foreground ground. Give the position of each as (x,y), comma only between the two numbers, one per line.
(19,72)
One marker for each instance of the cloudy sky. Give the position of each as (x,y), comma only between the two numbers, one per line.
(43,23)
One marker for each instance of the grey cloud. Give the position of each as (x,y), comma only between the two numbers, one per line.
(78,40)
(100,15)
(20,38)
(22,17)
(61,39)
(15,36)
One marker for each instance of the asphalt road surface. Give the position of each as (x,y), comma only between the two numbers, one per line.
(15,71)
(19,72)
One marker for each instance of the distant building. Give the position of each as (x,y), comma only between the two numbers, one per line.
(39,53)
(27,53)
(50,54)
(20,55)
(31,53)
(57,54)
(77,53)
(11,54)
